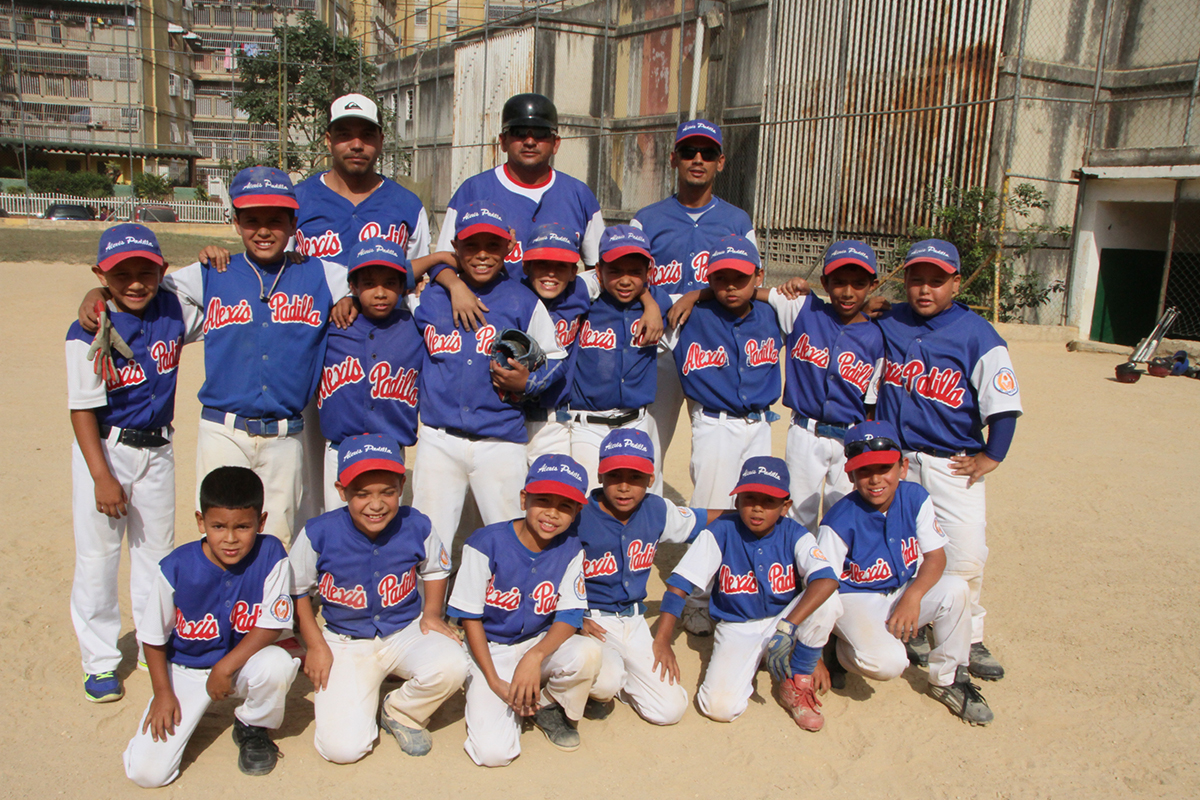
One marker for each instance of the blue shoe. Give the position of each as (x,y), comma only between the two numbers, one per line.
(103,687)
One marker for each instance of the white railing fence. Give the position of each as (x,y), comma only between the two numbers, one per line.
(34,205)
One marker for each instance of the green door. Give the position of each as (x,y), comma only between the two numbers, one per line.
(1127,295)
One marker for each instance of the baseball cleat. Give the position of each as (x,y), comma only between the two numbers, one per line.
(103,687)
(696,621)
(918,648)
(559,730)
(598,709)
(963,698)
(801,702)
(413,741)
(984,665)
(257,754)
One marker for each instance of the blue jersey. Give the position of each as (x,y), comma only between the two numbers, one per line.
(610,371)
(566,312)
(751,578)
(516,592)
(943,377)
(328,225)
(369,382)
(877,552)
(561,199)
(368,586)
(201,611)
(618,556)
(830,366)
(728,363)
(142,394)
(456,384)
(264,331)
(680,239)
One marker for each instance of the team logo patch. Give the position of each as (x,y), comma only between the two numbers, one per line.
(816,553)
(580,587)
(281,609)
(1005,382)
(444,559)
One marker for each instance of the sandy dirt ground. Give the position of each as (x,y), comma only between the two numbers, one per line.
(1092,593)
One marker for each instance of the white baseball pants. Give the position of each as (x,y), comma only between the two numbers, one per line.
(668,399)
(738,649)
(432,665)
(277,460)
(962,513)
(263,683)
(546,438)
(867,648)
(312,468)
(586,438)
(446,465)
(720,445)
(627,666)
(330,466)
(817,465)
(148,477)
(493,728)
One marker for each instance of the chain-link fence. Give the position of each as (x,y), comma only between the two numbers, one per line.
(1181,283)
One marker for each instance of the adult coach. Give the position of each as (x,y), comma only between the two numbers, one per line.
(528,190)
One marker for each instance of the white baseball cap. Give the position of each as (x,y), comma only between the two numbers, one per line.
(354,106)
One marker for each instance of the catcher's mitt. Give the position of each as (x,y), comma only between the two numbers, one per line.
(520,347)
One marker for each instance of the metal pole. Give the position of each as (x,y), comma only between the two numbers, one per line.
(21,95)
(605,148)
(999,259)
(765,194)
(679,66)
(1087,145)
(1016,108)
(487,13)
(697,48)
(280,123)
(1187,127)
(232,86)
(1162,291)
(129,94)
(840,123)
(285,123)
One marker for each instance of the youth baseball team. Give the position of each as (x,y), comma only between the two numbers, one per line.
(861,550)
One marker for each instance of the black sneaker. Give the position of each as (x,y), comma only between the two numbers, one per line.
(964,699)
(918,648)
(837,673)
(558,729)
(257,754)
(984,665)
(597,709)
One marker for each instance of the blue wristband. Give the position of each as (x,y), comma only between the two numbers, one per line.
(672,604)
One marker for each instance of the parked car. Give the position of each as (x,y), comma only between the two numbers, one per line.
(154,213)
(67,211)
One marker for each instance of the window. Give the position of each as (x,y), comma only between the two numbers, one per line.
(221,17)
(175,133)
(131,119)
(56,34)
(126,67)
(203,106)
(422,16)
(24,30)
(189,89)
(451,19)
(78,87)
(55,86)
(245,18)
(172,84)
(409,102)
(200,16)
(4,32)
(31,84)
(266,19)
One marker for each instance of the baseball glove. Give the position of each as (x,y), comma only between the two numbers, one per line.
(520,347)
(107,339)
(779,651)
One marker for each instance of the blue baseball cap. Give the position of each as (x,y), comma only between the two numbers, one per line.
(874,442)
(764,474)
(621,240)
(557,474)
(262,186)
(934,251)
(371,451)
(698,127)
(552,241)
(736,253)
(127,240)
(377,251)
(627,448)
(850,251)
(480,217)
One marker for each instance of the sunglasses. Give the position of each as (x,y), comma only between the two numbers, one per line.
(521,134)
(687,152)
(874,444)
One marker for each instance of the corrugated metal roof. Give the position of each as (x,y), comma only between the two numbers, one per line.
(96,149)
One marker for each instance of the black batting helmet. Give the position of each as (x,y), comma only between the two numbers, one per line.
(532,110)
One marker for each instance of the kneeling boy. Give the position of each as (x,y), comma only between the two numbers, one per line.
(885,541)
(520,594)
(749,562)
(364,560)
(214,611)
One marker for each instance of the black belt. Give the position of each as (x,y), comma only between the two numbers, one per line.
(460,433)
(755,416)
(612,422)
(929,451)
(135,438)
(253,426)
(533,414)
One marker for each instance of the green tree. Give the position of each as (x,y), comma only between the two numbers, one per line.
(320,68)
(149,186)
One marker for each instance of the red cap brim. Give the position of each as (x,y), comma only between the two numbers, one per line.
(872,457)
(617,252)
(551,254)
(117,258)
(555,487)
(735,264)
(841,262)
(626,462)
(366,465)
(481,227)
(773,491)
(274,200)
(945,265)
(378,263)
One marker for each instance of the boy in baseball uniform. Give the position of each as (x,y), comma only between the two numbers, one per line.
(469,436)
(771,588)
(620,529)
(122,461)
(885,542)
(364,560)
(215,609)
(948,376)
(520,594)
